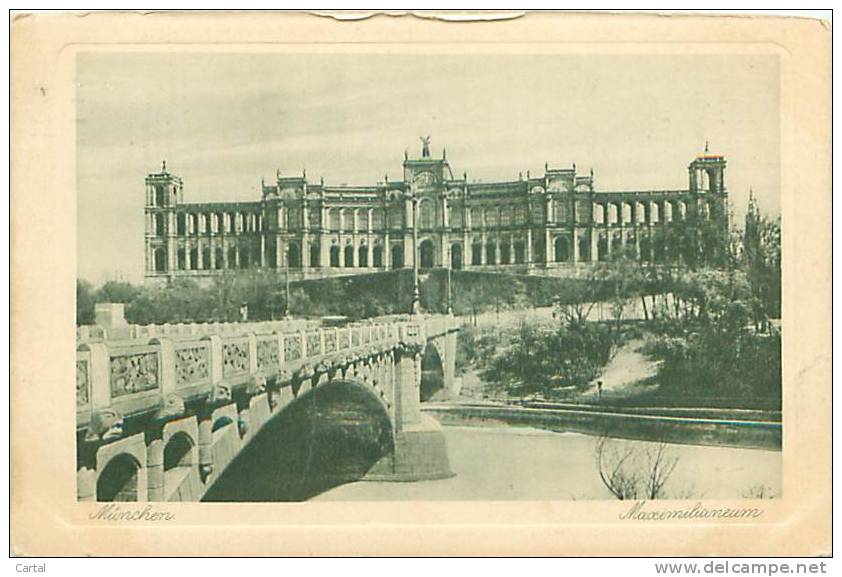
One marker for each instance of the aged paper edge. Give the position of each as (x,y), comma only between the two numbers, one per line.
(47,520)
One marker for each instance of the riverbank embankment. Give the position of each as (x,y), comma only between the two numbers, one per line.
(741,429)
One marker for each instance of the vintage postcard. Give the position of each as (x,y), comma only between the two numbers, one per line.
(448,284)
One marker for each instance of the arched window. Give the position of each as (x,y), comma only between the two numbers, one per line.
(490,252)
(160,260)
(362,256)
(294,217)
(560,209)
(562,249)
(181,259)
(396,216)
(349,256)
(538,212)
(456,256)
(476,218)
(362,219)
(427,251)
(314,217)
(426,214)
(611,217)
(491,216)
(584,248)
(378,219)
(520,252)
(160,195)
(245,257)
(334,256)
(627,213)
(602,247)
(315,254)
(538,250)
(640,213)
(598,213)
(682,210)
(377,255)
(667,216)
(655,212)
(505,215)
(505,252)
(219,258)
(159,225)
(206,258)
(294,255)
(232,257)
(456,220)
(397,256)
(476,253)
(181,224)
(347,217)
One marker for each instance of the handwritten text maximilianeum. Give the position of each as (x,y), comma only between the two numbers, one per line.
(697,511)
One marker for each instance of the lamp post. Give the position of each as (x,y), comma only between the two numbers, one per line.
(286,280)
(449,271)
(416,291)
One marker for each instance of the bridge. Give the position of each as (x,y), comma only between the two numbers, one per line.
(203,411)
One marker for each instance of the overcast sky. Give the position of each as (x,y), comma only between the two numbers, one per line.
(224,120)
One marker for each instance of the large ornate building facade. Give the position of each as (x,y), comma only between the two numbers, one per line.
(555,223)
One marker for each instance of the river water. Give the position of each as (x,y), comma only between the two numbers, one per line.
(520,463)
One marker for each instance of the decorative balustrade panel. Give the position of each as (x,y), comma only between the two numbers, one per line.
(134,372)
(366,334)
(355,337)
(192,365)
(268,355)
(314,344)
(83,383)
(235,358)
(292,348)
(344,335)
(330,341)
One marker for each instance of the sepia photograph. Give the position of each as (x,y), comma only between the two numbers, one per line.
(427,277)
(568,287)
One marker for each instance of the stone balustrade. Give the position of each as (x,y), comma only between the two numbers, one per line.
(133,376)
(160,418)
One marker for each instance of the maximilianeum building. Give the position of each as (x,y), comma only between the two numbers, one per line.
(556,223)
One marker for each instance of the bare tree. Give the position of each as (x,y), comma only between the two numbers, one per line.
(633,473)
(611,464)
(659,468)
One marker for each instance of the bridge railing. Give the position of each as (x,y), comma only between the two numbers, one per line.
(135,376)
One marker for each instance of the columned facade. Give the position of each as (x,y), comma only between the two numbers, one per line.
(554,223)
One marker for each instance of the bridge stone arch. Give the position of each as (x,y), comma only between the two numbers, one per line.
(119,479)
(331,434)
(121,471)
(432,371)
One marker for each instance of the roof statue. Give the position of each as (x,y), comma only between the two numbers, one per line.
(425,146)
